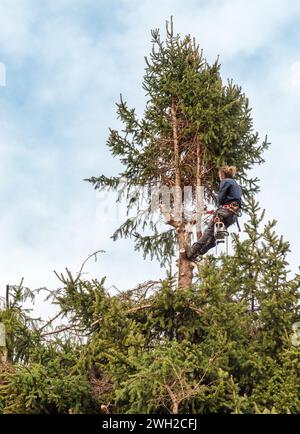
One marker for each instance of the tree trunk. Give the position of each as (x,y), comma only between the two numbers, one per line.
(185,267)
(198,183)
(3,357)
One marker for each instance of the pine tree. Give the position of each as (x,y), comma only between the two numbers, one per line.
(224,345)
(191,125)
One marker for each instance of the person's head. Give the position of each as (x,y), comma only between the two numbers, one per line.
(227,172)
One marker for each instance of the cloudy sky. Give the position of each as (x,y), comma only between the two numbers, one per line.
(64,64)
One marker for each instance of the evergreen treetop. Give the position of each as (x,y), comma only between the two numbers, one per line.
(192,124)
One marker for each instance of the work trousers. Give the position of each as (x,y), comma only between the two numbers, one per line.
(207,241)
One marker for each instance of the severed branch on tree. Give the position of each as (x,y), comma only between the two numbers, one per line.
(63,329)
(180,390)
(71,279)
(51,321)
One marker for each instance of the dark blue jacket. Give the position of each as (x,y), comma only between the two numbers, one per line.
(229,191)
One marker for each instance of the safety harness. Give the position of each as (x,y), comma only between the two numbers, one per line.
(220,231)
(233,207)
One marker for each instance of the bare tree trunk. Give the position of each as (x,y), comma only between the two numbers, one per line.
(185,267)
(3,357)
(198,183)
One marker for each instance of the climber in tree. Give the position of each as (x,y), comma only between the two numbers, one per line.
(229,204)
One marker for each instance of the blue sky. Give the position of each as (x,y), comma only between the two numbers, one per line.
(66,63)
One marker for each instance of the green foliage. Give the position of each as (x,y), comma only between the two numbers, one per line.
(212,120)
(21,329)
(222,346)
(51,383)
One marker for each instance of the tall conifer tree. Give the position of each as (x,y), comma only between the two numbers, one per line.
(192,124)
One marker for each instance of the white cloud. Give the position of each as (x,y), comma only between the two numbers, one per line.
(226,27)
(295,74)
(80,79)
(16,19)
(2,74)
